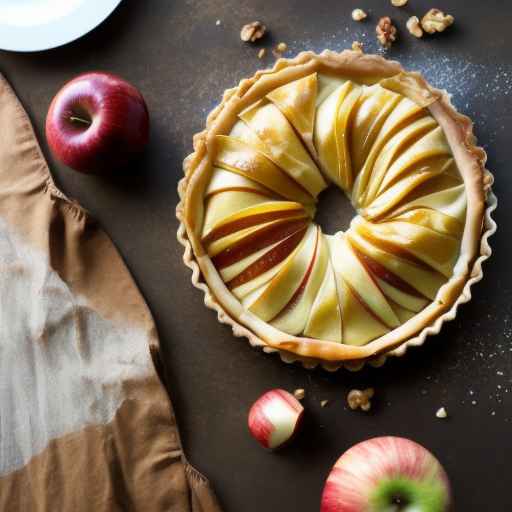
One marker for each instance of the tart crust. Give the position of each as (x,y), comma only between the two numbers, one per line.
(458,129)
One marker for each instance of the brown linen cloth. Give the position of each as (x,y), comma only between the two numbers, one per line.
(85,422)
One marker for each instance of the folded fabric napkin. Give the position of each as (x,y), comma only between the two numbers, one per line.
(85,421)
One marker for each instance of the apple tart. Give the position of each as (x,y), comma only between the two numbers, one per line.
(405,159)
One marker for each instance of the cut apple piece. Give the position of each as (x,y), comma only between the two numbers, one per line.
(343,129)
(390,152)
(449,201)
(242,132)
(402,313)
(292,319)
(270,259)
(251,216)
(324,320)
(325,131)
(420,277)
(326,85)
(430,145)
(404,114)
(223,180)
(392,196)
(438,251)
(374,107)
(237,156)
(347,266)
(412,303)
(434,220)
(297,101)
(283,146)
(360,325)
(281,289)
(224,204)
(265,236)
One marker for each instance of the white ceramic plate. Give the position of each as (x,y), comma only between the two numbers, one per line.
(33,25)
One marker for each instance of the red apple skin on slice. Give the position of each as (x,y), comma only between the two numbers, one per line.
(254,242)
(250,220)
(270,259)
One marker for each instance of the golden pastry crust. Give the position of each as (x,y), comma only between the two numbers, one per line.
(366,69)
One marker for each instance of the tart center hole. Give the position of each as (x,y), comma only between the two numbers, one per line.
(334,211)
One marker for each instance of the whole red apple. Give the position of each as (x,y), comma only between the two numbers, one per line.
(387,474)
(97,122)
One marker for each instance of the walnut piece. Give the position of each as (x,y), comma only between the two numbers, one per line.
(323,403)
(436,21)
(441,413)
(262,53)
(299,394)
(358,399)
(414,27)
(386,32)
(358,15)
(357,46)
(399,3)
(252,31)
(281,47)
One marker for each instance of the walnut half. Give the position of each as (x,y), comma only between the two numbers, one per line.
(252,31)
(386,32)
(358,399)
(436,21)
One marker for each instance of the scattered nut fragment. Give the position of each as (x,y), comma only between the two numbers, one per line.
(299,394)
(261,53)
(323,403)
(386,32)
(358,15)
(218,22)
(357,46)
(399,3)
(436,21)
(358,399)
(414,27)
(279,50)
(252,31)
(281,47)
(441,413)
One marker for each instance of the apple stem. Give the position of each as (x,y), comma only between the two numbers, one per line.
(75,119)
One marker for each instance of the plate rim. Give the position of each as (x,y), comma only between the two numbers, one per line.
(77,24)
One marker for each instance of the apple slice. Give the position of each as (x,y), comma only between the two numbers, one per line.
(325,131)
(222,205)
(434,220)
(374,107)
(280,290)
(395,146)
(360,325)
(282,145)
(252,216)
(432,144)
(420,277)
(268,260)
(223,180)
(292,319)
(343,129)
(405,113)
(297,101)
(347,266)
(324,320)
(438,251)
(265,236)
(237,156)
(417,176)
(448,201)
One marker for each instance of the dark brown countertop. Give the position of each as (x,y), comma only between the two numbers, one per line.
(182,61)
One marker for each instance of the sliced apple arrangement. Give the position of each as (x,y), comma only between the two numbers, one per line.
(252,188)
(389,155)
